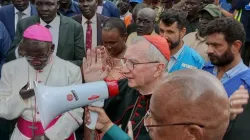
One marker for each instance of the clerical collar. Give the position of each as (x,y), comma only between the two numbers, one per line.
(147,94)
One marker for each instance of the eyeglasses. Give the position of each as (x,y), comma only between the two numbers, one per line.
(130,64)
(148,122)
(145,22)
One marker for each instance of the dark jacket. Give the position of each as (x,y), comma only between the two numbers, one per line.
(7,16)
(239,129)
(100,21)
(245,17)
(70,43)
(110,10)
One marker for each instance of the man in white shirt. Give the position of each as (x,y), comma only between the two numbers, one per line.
(92,23)
(11,14)
(16,89)
(67,34)
(124,9)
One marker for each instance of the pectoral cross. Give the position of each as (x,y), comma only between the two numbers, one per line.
(33,129)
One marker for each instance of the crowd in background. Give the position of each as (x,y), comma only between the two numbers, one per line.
(188,29)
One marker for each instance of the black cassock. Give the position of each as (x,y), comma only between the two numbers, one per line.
(129,104)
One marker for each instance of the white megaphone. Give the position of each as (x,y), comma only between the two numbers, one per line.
(53,101)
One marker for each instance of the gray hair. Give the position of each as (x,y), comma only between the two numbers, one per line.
(153,53)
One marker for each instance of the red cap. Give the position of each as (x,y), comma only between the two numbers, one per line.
(113,88)
(160,43)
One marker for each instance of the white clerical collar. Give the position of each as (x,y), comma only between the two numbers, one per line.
(93,19)
(27,11)
(53,24)
(146,93)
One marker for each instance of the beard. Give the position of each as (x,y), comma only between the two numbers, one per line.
(223,60)
(172,44)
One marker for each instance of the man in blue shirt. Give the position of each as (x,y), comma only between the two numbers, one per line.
(172,27)
(225,37)
(244,18)
(69,8)
(5,43)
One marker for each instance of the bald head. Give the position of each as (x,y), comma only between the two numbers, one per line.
(137,8)
(145,21)
(194,97)
(148,12)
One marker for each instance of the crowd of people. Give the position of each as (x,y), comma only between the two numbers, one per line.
(182,67)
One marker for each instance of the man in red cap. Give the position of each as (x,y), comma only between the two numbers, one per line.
(144,63)
(17,99)
(180,109)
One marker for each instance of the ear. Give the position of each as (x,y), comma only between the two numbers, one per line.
(192,132)
(160,69)
(236,46)
(52,48)
(183,32)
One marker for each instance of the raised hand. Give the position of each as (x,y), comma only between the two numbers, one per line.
(93,70)
(237,100)
(26,92)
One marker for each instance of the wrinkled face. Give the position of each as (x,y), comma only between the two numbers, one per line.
(141,74)
(20,5)
(192,6)
(88,8)
(113,42)
(219,51)
(204,19)
(157,116)
(171,33)
(124,7)
(145,24)
(37,53)
(47,9)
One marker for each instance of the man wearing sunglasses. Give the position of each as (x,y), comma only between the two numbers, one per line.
(186,105)
(144,63)
(17,99)
(145,22)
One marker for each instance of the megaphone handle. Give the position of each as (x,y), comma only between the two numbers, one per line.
(93,117)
